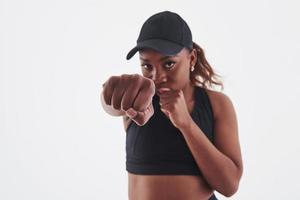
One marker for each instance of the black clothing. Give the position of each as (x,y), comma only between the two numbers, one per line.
(159,148)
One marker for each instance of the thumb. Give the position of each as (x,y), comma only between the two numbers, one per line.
(131,113)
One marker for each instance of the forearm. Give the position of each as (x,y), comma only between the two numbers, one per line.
(221,173)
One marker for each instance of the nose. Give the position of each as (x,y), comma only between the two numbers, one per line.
(159,77)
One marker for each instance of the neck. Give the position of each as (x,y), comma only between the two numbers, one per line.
(188,92)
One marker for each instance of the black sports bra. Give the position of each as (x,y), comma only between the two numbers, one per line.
(159,147)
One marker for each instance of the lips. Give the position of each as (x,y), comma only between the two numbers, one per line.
(161,89)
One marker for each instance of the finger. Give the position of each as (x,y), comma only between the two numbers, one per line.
(163,104)
(108,89)
(131,113)
(144,97)
(143,117)
(166,106)
(147,113)
(131,92)
(117,96)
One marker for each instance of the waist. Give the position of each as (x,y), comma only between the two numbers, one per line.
(168,187)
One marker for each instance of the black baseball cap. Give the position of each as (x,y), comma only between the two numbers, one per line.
(165,32)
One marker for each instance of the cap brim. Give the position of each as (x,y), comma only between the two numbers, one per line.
(163,46)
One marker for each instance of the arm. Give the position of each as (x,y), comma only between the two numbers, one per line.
(221,165)
(126,122)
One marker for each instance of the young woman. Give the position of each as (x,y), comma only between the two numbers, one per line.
(182,138)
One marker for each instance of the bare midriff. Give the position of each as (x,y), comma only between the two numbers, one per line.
(168,187)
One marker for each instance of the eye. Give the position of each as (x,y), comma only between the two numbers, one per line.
(169,64)
(146,66)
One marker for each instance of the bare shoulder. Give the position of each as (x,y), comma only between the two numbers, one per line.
(226,127)
(218,100)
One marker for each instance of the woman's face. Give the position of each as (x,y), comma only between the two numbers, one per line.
(167,71)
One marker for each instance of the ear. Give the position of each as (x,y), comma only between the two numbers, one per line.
(193,57)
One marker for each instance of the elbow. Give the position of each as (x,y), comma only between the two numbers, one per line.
(231,190)
(232,187)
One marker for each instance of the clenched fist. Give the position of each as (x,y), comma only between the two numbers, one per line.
(131,94)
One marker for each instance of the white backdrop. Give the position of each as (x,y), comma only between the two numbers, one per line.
(56,142)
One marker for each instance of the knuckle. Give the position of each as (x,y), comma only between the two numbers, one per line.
(137,107)
(135,76)
(125,106)
(113,80)
(125,76)
(136,80)
(152,83)
(147,83)
(139,77)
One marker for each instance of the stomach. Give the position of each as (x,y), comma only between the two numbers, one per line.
(168,187)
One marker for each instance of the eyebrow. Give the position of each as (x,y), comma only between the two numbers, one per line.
(161,59)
